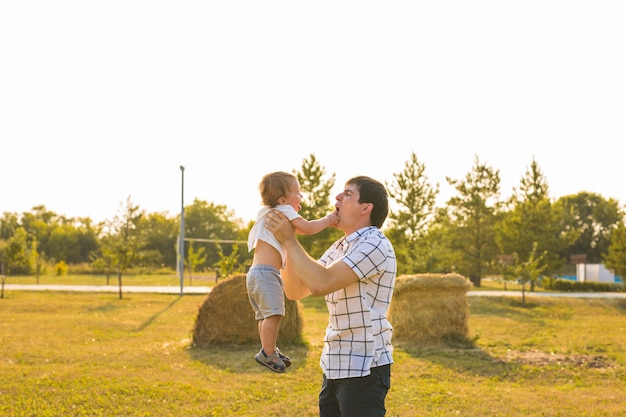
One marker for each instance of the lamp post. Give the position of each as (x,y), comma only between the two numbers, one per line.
(181,242)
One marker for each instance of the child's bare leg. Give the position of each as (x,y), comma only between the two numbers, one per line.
(268,330)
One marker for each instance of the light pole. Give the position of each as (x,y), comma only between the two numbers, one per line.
(181,242)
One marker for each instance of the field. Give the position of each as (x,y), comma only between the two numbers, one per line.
(165,279)
(92,354)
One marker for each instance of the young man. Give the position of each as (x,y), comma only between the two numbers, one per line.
(357,276)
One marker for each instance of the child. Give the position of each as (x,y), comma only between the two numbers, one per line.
(281,191)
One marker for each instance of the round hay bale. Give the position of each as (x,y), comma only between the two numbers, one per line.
(430,310)
(226,318)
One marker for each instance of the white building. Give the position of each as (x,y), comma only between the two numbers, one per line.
(593,273)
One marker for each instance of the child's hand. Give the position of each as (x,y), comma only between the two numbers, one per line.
(333,218)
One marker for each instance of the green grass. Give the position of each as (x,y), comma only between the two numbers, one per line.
(92,354)
(167,279)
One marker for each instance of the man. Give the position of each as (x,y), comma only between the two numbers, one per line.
(357,276)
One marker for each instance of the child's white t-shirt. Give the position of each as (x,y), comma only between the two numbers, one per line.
(259,232)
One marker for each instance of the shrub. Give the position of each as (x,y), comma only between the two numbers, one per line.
(564,285)
(61,268)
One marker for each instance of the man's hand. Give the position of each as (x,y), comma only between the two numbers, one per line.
(277,223)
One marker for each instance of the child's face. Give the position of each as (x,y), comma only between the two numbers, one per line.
(293,198)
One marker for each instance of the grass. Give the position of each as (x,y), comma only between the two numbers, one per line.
(92,354)
(166,279)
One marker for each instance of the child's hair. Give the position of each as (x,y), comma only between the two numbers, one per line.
(275,185)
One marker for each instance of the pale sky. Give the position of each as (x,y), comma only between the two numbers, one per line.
(104,100)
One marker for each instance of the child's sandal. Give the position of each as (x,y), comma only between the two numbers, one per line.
(284,358)
(272,362)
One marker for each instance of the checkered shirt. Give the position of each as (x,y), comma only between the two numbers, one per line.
(358,336)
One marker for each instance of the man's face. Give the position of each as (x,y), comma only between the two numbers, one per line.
(348,204)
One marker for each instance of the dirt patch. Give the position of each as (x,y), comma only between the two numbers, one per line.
(539,358)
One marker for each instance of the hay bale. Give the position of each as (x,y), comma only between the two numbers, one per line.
(430,310)
(226,318)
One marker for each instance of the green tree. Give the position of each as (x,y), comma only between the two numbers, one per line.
(615,258)
(38,224)
(124,240)
(527,271)
(439,255)
(531,221)
(8,224)
(17,252)
(161,234)
(209,221)
(72,241)
(34,260)
(591,218)
(60,238)
(227,263)
(195,258)
(103,260)
(473,212)
(4,259)
(415,197)
(316,204)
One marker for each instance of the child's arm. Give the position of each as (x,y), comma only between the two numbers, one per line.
(310,227)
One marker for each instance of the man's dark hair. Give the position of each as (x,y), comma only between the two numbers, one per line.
(372,191)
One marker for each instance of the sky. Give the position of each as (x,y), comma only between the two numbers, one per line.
(105,101)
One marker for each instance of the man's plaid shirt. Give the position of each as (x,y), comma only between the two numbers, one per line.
(358,336)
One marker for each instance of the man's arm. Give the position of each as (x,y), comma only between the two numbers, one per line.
(294,287)
(320,280)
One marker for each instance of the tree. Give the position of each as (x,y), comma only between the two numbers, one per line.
(473,212)
(528,271)
(227,264)
(316,204)
(591,219)
(161,234)
(34,260)
(8,224)
(4,258)
(39,224)
(194,259)
(531,221)
(104,259)
(416,198)
(124,240)
(615,258)
(17,253)
(439,255)
(72,240)
(209,221)
(57,237)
